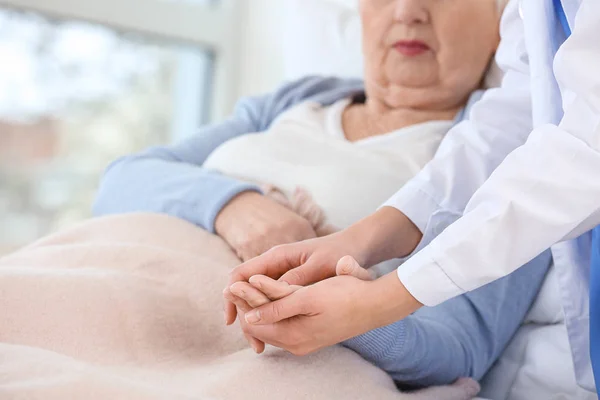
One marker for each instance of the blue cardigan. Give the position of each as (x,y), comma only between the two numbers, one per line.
(171,179)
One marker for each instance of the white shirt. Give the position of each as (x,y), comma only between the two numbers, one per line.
(515,185)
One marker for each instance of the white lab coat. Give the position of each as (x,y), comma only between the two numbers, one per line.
(517,185)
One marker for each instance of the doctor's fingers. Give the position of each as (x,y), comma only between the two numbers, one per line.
(296,304)
(257,345)
(286,335)
(312,271)
(242,307)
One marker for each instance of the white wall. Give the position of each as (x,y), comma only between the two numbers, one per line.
(261,64)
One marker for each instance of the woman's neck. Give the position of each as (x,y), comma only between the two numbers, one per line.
(374,118)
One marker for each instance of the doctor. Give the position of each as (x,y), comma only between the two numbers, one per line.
(499,192)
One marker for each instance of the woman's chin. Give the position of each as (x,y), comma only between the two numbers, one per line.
(412,80)
(403,94)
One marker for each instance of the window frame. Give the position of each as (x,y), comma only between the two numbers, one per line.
(214,27)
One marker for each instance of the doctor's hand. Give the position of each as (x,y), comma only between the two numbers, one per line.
(252,224)
(300,264)
(262,290)
(329,312)
(385,235)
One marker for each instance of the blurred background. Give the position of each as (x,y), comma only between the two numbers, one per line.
(85,81)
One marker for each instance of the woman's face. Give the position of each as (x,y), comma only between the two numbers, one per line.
(427,53)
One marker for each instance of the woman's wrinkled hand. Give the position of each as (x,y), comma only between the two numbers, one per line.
(252,224)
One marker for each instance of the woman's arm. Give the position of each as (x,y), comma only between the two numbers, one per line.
(171,179)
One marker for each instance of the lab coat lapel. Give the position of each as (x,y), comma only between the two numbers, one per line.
(571,7)
(543,37)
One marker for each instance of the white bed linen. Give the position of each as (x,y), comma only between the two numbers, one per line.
(537,363)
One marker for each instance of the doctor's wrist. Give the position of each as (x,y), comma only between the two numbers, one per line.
(391,299)
(384,235)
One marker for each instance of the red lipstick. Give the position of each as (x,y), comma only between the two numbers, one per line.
(411,48)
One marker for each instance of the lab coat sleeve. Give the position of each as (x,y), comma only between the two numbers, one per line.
(545,191)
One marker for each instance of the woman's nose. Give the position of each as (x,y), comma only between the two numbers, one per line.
(411,12)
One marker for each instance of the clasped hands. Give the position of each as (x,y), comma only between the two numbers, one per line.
(295,317)
(314,293)
(322,297)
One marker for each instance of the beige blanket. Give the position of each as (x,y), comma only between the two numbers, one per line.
(130,307)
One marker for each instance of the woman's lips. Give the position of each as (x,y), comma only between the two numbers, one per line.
(411,48)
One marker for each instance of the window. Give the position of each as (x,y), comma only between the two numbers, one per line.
(85,82)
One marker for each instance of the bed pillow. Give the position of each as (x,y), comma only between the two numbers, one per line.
(322,37)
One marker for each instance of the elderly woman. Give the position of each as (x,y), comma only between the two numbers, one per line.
(350,145)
